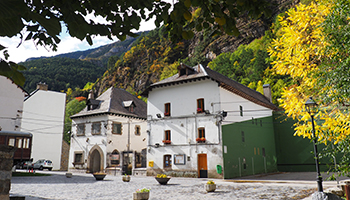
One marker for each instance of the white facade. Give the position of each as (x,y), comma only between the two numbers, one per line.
(189,157)
(106,141)
(112,136)
(11,107)
(43,116)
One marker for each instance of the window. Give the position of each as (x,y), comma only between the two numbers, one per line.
(117,128)
(19,143)
(201,135)
(243,139)
(26,143)
(167,162)
(115,158)
(131,108)
(167,137)
(78,158)
(241,111)
(200,105)
(137,130)
(81,129)
(167,109)
(12,141)
(96,128)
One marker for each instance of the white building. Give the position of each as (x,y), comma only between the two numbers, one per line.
(11,107)
(110,134)
(185,113)
(43,116)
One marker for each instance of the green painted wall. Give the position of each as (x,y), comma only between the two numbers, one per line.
(294,153)
(249,148)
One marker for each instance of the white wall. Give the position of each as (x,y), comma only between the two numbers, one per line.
(106,140)
(11,107)
(184,123)
(43,116)
(231,103)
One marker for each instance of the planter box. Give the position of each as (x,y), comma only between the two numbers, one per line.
(126,178)
(163,181)
(140,196)
(210,187)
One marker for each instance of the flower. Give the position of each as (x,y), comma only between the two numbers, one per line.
(142,190)
(162,176)
(99,173)
(166,141)
(210,182)
(199,110)
(126,175)
(202,139)
(166,114)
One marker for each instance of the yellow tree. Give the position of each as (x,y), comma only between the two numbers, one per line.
(298,52)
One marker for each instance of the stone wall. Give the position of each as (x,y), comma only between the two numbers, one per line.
(64,156)
(6,162)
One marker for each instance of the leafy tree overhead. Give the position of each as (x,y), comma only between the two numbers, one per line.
(42,21)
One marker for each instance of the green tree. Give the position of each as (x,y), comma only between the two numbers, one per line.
(72,107)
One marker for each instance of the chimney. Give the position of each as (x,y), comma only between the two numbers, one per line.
(91,95)
(267,92)
(42,86)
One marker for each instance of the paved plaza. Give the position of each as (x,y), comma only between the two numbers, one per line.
(84,186)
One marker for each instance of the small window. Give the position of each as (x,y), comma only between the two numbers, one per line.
(131,108)
(167,109)
(243,139)
(201,135)
(12,141)
(263,152)
(96,128)
(81,129)
(241,111)
(200,105)
(19,143)
(137,130)
(167,137)
(115,158)
(26,143)
(117,128)
(167,162)
(78,158)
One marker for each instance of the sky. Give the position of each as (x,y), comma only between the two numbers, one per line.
(68,44)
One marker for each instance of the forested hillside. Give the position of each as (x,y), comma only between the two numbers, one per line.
(60,73)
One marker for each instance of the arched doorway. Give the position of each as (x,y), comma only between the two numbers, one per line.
(96,159)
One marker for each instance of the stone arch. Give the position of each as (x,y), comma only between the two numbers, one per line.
(96,159)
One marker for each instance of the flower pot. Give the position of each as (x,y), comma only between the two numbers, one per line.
(163,181)
(210,187)
(69,175)
(99,176)
(140,195)
(126,178)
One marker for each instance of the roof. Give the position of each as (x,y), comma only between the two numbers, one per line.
(202,73)
(16,133)
(112,102)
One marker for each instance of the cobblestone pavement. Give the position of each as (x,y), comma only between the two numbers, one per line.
(84,186)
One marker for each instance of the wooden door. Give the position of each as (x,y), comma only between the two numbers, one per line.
(202,166)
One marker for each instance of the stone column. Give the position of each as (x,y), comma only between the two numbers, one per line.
(6,162)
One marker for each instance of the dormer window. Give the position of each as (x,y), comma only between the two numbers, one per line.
(130,105)
(185,70)
(92,104)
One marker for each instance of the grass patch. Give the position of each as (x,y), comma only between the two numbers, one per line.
(28,174)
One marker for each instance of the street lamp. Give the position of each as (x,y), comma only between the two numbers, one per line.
(310,104)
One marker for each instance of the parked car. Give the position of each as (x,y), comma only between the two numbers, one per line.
(43,164)
(24,165)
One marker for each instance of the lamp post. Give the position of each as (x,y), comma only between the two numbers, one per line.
(310,104)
